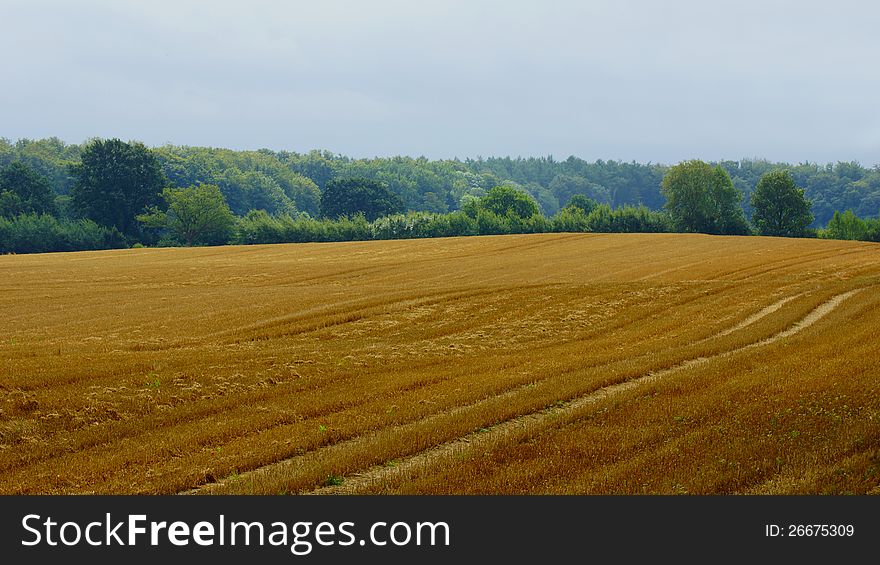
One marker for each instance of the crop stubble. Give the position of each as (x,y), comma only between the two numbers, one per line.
(268,369)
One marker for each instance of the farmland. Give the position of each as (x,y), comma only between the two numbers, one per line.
(547,363)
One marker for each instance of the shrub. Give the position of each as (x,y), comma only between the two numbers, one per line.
(32,233)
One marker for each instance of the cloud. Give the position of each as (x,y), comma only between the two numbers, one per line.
(650,81)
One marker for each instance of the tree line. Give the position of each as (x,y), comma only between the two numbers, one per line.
(109,193)
(282,181)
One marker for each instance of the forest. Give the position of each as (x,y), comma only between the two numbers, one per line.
(269,196)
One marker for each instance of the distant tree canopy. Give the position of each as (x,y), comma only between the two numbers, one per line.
(702,198)
(194,216)
(283,181)
(287,186)
(116,181)
(566,187)
(24,191)
(779,207)
(249,180)
(50,158)
(352,196)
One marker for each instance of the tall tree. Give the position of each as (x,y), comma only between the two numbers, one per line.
(701,198)
(195,215)
(505,199)
(24,191)
(780,208)
(351,196)
(581,203)
(116,181)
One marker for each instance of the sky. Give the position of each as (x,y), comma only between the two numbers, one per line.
(630,80)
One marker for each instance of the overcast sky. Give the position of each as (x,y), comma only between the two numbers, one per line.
(632,80)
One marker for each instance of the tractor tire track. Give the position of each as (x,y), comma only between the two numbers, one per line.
(535,420)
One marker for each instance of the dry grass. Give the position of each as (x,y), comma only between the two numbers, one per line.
(267,369)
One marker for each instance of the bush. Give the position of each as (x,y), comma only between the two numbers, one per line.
(257,226)
(571,219)
(639,219)
(355,228)
(490,223)
(32,233)
(535,223)
(304,229)
(260,227)
(604,219)
(459,223)
(405,226)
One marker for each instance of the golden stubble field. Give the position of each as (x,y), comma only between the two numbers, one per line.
(552,363)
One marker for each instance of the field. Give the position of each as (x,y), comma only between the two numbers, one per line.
(552,363)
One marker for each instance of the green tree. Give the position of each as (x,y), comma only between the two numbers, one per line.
(701,198)
(24,191)
(116,181)
(779,206)
(582,203)
(503,200)
(195,215)
(304,193)
(352,196)
(845,226)
(872,232)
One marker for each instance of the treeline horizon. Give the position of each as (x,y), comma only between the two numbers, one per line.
(276,196)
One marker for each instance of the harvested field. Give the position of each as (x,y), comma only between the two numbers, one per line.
(550,363)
